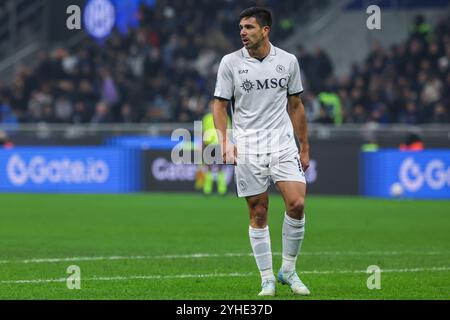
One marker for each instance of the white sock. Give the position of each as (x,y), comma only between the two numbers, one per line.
(293,232)
(260,242)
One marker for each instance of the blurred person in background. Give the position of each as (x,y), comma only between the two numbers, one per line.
(7,115)
(440,114)
(127,114)
(80,113)
(5,142)
(421,29)
(410,113)
(102,113)
(205,177)
(413,142)
(331,111)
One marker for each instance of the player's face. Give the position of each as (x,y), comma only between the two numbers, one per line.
(252,34)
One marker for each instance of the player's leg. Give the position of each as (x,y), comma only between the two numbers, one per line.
(260,241)
(291,182)
(258,207)
(294,221)
(200,177)
(222,187)
(252,185)
(293,233)
(208,181)
(221,180)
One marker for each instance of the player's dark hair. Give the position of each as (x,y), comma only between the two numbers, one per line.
(262,15)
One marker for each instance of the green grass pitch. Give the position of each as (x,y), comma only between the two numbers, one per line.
(178,246)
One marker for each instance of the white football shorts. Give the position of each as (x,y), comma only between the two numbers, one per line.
(255,172)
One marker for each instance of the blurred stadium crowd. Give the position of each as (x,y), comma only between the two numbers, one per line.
(165,71)
(407,83)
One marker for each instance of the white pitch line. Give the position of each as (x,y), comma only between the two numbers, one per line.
(403,270)
(168,257)
(216,255)
(121,278)
(218,275)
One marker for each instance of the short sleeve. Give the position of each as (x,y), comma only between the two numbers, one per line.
(224,83)
(295,85)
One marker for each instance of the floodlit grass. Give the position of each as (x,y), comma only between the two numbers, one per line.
(177,246)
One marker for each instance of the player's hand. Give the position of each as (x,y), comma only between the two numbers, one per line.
(304,159)
(229,153)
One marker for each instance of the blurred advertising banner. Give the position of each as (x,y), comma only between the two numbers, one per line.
(407,174)
(161,174)
(333,170)
(69,170)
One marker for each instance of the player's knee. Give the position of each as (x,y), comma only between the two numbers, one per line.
(260,210)
(296,207)
(259,215)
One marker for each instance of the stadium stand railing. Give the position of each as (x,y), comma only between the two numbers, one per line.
(365,132)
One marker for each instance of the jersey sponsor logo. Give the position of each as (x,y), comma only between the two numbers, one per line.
(265,84)
(271,83)
(243,71)
(247,85)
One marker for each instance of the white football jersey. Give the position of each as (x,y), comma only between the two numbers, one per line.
(258,91)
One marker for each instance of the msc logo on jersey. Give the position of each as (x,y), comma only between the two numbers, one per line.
(265,84)
(247,85)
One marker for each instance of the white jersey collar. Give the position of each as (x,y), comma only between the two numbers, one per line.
(273,51)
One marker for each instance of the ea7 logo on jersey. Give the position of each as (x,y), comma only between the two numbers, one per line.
(243,71)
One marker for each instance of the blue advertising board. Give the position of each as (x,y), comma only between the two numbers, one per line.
(70,170)
(142,142)
(407,174)
(151,143)
(127,13)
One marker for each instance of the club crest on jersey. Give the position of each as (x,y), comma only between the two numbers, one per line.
(280,69)
(243,185)
(247,85)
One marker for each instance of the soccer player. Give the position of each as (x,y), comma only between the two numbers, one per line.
(261,80)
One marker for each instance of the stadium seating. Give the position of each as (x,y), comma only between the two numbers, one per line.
(164,71)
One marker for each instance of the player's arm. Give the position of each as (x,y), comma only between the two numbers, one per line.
(220,116)
(297,114)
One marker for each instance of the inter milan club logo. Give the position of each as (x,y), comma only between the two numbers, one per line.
(247,85)
(280,69)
